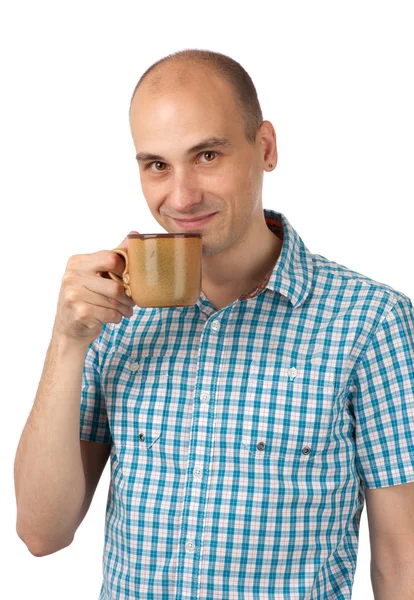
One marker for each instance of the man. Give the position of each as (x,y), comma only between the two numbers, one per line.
(245,432)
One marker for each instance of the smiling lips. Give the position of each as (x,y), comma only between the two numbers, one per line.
(194,222)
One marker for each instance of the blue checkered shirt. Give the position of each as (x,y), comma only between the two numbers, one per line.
(242,438)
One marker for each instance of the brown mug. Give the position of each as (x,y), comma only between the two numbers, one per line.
(161,269)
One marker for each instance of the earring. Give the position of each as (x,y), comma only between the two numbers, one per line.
(270,165)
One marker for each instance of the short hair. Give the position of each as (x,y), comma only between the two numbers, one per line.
(224,67)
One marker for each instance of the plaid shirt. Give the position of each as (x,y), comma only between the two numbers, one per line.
(243,438)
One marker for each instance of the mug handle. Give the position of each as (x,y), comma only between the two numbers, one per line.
(124,280)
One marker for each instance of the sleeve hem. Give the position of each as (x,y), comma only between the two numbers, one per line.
(95,438)
(397,475)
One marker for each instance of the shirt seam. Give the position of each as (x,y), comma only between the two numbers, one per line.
(362,279)
(360,358)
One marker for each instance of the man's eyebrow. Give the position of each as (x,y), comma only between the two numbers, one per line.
(212,142)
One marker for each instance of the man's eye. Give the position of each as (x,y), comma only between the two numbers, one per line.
(154,163)
(149,165)
(209,152)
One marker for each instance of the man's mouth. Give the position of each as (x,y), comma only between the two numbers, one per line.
(196,222)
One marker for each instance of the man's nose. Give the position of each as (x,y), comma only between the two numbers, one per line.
(185,194)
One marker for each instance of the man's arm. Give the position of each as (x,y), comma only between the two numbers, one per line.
(390,512)
(55,473)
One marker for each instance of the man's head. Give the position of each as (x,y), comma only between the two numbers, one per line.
(180,101)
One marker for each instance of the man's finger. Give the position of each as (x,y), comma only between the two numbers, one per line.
(124,243)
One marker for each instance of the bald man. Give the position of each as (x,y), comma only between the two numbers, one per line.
(244,432)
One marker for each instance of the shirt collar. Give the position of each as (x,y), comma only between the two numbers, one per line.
(292,274)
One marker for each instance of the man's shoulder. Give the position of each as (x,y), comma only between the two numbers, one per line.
(325,268)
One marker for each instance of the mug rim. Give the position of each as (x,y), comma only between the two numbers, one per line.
(144,236)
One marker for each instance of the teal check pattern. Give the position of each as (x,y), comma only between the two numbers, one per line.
(242,439)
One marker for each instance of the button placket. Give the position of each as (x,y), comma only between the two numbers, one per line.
(215,325)
(198,473)
(205,397)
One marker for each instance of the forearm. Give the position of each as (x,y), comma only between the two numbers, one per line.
(393,583)
(48,472)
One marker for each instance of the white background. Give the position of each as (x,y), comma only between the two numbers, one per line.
(335,79)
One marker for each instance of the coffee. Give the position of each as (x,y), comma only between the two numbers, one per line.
(162,270)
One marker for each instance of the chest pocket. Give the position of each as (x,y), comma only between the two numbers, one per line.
(287,414)
(135,389)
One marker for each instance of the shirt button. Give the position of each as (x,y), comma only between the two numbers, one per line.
(197,473)
(215,325)
(204,397)
(190,546)
(133,366)
(142,437)
(293,372)
(261,446)
(305,450)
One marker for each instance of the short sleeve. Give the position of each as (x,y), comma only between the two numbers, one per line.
(94,425)
(384,401)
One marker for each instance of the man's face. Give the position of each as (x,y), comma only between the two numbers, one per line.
(226,180)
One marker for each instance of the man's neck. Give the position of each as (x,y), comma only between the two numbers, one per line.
(229,275)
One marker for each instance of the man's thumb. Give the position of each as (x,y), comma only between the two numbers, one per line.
(124,243)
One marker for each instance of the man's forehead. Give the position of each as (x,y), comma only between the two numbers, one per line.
(189,122)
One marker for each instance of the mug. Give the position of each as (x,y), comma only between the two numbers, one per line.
(161,269)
